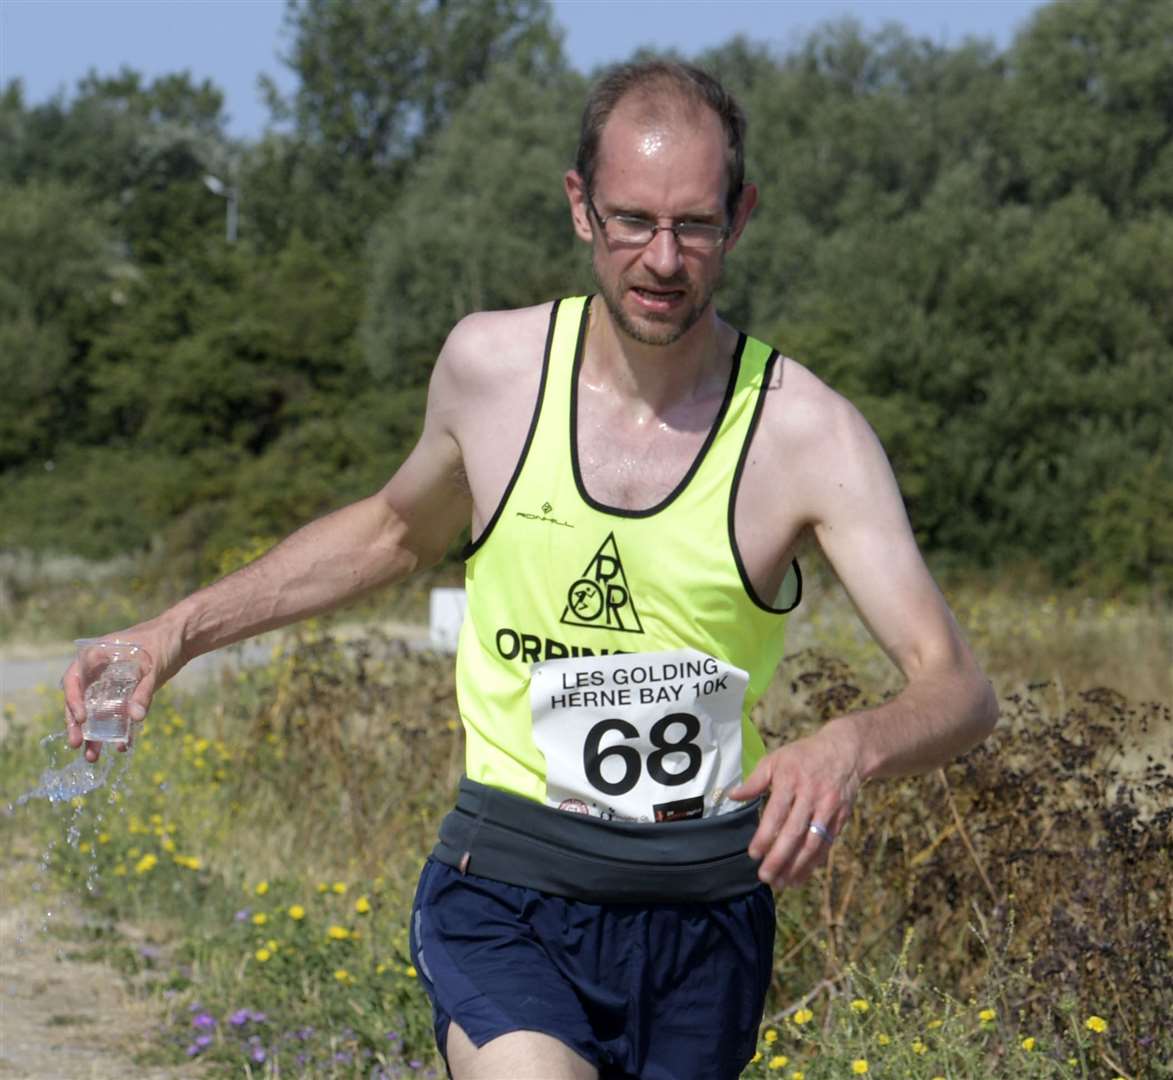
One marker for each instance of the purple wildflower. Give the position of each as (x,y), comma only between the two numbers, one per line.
(257,1017)
(242,915)
(258,1054)
(194,1049)
(414,1064)
(203,1040)
(204,1021)
(240,1018)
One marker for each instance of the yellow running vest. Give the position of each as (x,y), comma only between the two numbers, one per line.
(556,575)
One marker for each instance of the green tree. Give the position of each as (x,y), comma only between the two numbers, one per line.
(483,223)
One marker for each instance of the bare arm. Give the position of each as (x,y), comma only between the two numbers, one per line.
(852,503)
(326,564)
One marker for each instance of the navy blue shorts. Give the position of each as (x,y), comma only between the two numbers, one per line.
(657,991)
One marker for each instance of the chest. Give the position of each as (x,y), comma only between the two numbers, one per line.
(634,463)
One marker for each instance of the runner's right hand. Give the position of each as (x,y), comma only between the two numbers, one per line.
(161,645)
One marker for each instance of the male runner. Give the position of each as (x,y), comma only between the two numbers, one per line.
(637,475)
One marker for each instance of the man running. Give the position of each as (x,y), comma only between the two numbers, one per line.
(637,474)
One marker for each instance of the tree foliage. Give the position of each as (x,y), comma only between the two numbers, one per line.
(974,245)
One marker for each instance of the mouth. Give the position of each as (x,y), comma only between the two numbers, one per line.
(657,299)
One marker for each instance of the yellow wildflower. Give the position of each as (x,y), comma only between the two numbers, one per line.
(296,912)
(380,968)
(779,1062)
(342,975)
(1097,1024)
(362,905)
(859,1066)
(262,888)
(323,887)
(146,863)
(803,1016)
(338,933)
(410,971)
(103,838)
(339,887)
(859,1005)
(883,1039)
(798,1074)
(168,844)
(260,918)
(918,1047)
(84,847)
(935,1024)
(262,955)
(272,945)
(1028,1044)
(987,1015)
(771,1035)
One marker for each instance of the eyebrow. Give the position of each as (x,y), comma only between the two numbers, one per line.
(707,217)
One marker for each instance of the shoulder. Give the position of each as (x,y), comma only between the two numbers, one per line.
(802,416)
(487,347)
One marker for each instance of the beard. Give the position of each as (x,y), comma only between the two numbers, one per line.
(650,329)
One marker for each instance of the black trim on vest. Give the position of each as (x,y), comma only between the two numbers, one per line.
(617,511)
(751,592)
(474,545)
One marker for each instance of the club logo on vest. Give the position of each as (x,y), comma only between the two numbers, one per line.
(599,598)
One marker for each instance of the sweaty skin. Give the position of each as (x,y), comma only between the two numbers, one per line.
(656,361)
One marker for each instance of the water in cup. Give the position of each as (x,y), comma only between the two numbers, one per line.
(110,670)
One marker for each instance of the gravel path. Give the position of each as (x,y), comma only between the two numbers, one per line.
(61,1017)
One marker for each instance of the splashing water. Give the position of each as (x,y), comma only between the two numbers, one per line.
(60,783)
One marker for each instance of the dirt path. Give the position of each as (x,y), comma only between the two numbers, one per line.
(61,1017)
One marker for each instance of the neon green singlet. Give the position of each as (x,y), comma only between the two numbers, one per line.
(555,574)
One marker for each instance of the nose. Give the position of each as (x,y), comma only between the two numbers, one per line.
(662,254)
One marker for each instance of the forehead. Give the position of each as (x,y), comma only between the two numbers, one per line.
(662,155)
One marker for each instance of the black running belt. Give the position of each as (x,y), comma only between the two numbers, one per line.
(494,834)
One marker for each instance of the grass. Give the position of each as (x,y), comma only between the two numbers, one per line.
(253,868)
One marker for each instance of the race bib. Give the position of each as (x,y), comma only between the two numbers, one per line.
(641,736)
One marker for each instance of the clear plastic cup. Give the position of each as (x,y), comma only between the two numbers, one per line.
(110,671)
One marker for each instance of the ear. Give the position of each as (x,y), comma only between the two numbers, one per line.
(745,205)
(580,213)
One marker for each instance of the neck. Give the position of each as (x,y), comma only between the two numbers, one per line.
(656,376)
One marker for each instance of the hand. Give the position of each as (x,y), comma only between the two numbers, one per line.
(163,649)
(814,779)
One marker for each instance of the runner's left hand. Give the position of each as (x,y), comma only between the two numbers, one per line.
(815,778)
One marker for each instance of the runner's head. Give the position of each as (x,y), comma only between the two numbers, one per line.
(659,193)
(664,87)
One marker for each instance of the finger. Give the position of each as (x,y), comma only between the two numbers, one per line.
(786,844)
(773,818)
(816,851)
(93,750)
(75,706)
(754,784)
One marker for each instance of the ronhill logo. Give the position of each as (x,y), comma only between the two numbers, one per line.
(600,598)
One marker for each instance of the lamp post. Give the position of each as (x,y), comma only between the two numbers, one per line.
(227,191)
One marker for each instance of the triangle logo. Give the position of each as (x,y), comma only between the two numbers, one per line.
(599,598)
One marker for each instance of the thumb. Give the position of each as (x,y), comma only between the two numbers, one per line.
(753,786)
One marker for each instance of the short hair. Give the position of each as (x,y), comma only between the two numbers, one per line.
(660,80)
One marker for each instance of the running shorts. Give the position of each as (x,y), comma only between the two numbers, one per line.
(656,991)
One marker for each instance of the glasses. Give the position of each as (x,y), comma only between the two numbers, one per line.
(628,229)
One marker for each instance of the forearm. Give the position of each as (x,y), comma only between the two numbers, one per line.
(326,564)
(936,718)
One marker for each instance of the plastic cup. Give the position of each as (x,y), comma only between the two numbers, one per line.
(110,671)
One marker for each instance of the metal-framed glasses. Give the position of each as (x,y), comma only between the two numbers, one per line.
(633,231)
